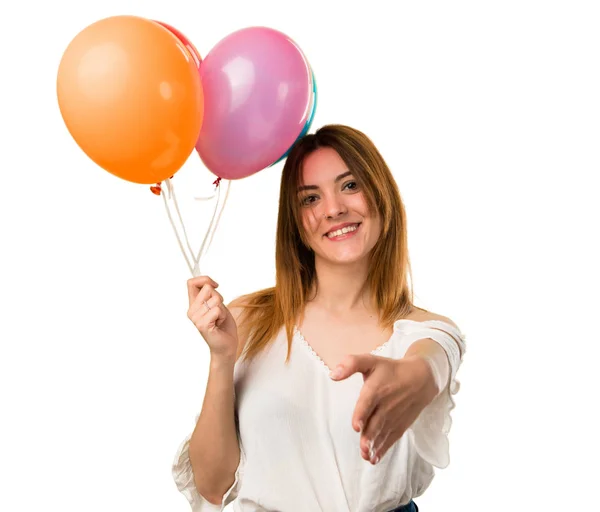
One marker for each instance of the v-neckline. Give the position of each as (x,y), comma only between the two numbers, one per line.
(298,334)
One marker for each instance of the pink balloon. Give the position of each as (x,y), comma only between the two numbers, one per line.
(257,95)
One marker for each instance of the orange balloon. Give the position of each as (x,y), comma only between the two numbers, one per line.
(131,97)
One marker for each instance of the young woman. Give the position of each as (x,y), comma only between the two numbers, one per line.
(330,391)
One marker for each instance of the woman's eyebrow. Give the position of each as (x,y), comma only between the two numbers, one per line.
(315,187)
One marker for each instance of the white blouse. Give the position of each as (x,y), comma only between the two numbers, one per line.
(298,449)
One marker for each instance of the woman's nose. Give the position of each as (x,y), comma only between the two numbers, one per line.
(333,207)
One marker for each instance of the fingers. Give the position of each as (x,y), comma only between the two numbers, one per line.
(208,321)
(216,302)
(381,445)
(374,424)
(363,363)
(206,293)
(385,441)
(365,405)
(195,285)
(206,310)
(371,434)
(367,434)
(379,436)
(207,316)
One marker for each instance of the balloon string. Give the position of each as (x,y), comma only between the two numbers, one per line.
(171,189)
(176,233)
(195,270)
(220,213)
(203,251)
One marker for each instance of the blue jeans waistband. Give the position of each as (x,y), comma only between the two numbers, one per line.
(409,507)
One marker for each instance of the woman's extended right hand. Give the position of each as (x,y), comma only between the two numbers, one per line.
(215,322)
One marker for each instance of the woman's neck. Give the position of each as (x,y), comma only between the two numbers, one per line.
(341,288)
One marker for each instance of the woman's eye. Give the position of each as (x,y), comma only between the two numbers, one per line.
(309,200)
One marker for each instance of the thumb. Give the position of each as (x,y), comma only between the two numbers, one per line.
(362,363)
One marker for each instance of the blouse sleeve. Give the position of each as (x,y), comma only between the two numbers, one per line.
(431,428)
(184,479)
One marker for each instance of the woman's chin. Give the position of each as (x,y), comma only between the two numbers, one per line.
(343,257)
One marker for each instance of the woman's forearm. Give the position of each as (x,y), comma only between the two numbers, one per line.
(214,448)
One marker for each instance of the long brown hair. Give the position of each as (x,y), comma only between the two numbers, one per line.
(266,311)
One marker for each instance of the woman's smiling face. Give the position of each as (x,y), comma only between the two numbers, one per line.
(334,212)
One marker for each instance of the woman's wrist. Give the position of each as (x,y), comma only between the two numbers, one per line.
(433,354)
(222,361)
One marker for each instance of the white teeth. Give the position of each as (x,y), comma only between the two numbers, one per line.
(347,229)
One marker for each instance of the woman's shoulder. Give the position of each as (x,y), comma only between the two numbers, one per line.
(236,306)
(422,315)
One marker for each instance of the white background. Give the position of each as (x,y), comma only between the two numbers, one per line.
(488,114)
